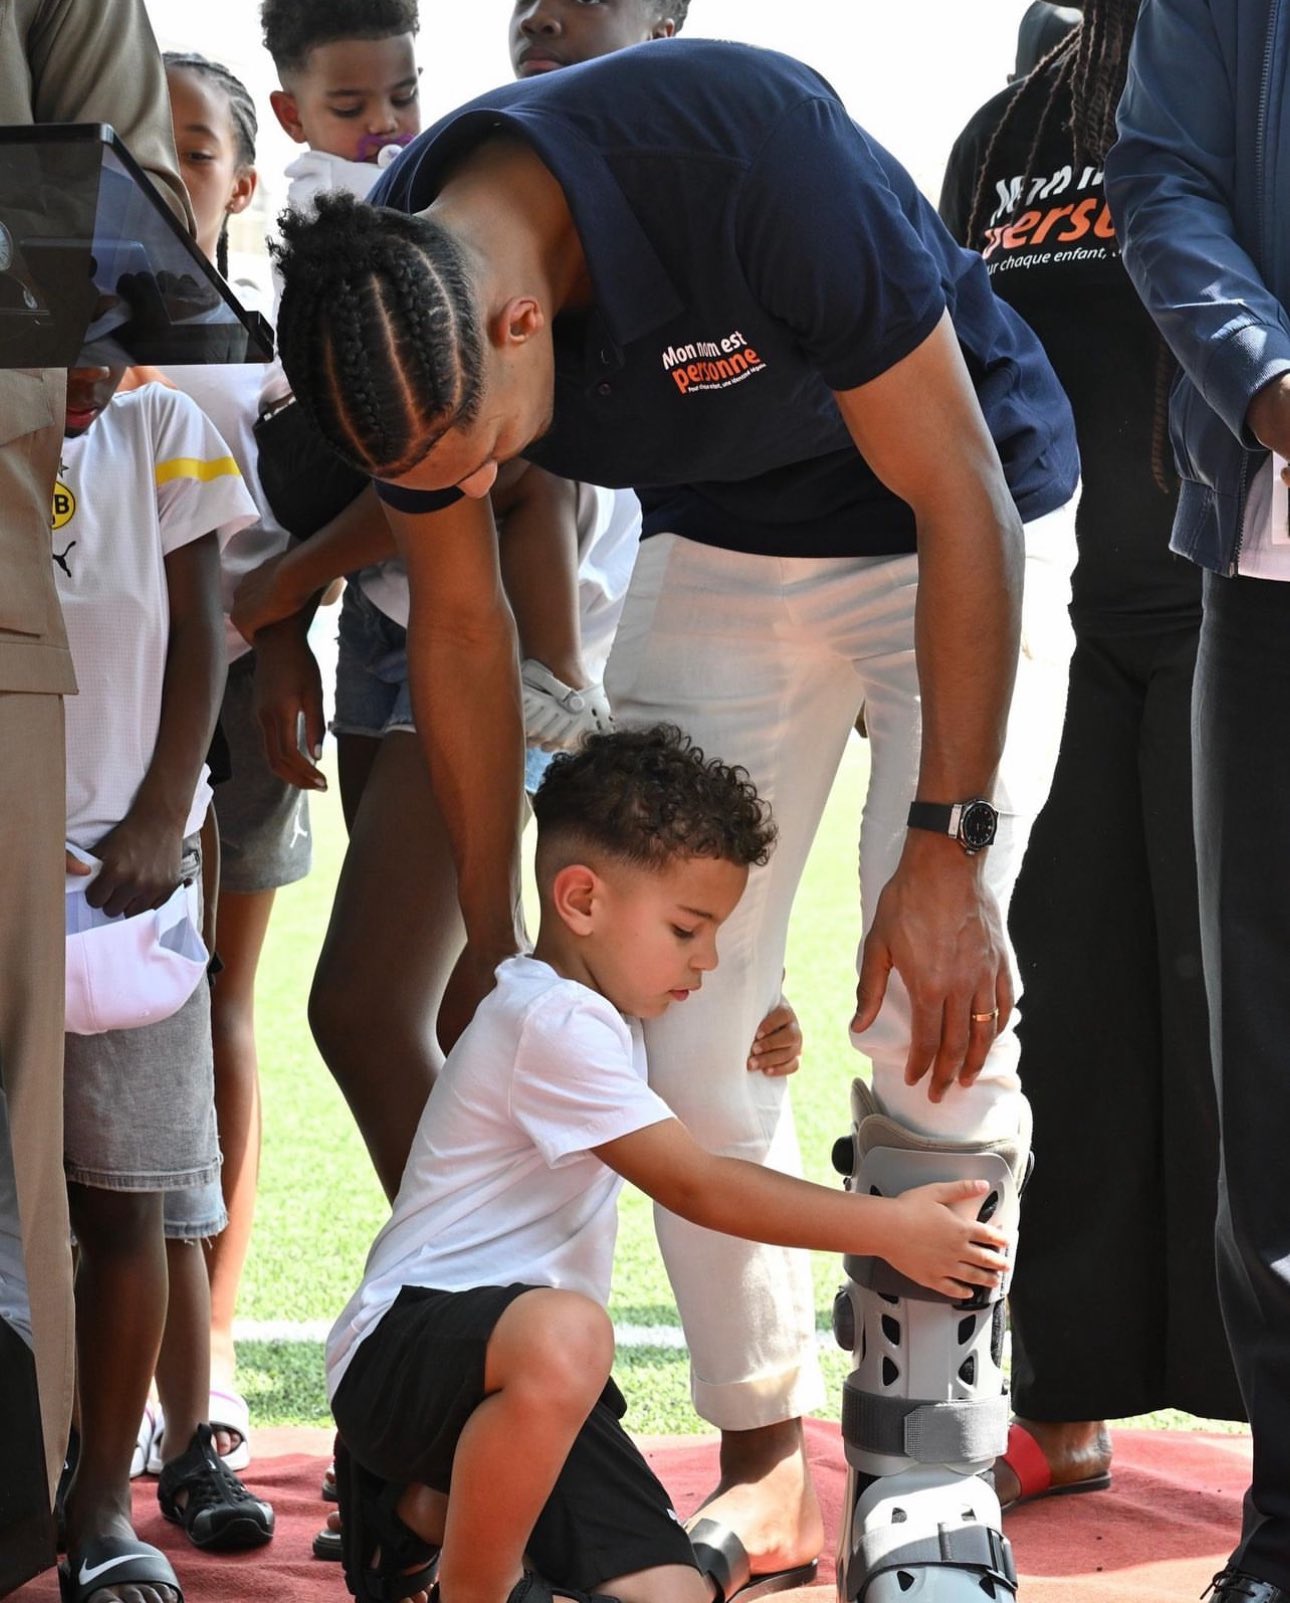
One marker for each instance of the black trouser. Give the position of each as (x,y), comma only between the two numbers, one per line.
(1242,746)
(1114,1304)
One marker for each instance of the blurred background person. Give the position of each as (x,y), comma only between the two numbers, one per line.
(1114,1036)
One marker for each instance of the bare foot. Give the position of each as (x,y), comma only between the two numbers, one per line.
(1075,1451)
(766,1496)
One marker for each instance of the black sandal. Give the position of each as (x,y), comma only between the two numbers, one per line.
(531,1588)
(218,1512)
(370,1524)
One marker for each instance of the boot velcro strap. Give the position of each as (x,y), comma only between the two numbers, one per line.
(927,1432)
(973,1547)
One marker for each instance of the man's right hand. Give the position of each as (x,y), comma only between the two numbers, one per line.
(1269,418)
(288,688)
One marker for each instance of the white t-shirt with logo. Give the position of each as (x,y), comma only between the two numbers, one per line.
(150,475)
(501,1185)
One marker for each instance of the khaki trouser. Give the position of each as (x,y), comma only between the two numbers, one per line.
(32,815)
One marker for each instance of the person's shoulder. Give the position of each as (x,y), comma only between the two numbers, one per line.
(316,170)
(546,1004)
(738,80)
(161,408)
(982,123)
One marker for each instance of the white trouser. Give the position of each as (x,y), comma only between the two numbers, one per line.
(766,661)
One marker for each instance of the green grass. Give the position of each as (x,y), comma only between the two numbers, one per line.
(320,1206)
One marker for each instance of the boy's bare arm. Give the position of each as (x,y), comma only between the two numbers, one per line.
(537,546)
(283,585)
(141,855)
(929,1234)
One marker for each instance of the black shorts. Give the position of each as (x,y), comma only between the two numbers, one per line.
(415,1381)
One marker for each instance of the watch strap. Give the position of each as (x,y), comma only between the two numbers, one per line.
(942,818)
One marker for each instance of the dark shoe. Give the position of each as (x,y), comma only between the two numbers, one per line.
(1235,1586)
(217,1511)
(329,1546)
(111,1561)
(723,1560)
(533,1589)
(385,1560)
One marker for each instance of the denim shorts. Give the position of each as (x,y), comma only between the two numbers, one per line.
(372,694)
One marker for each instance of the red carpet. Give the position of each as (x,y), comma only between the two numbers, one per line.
(1156,1537)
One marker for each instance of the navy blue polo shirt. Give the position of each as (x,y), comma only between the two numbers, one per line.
(750,250)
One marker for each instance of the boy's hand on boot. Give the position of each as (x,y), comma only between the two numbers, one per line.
(938,1241)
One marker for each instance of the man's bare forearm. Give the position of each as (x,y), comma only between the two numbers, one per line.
(967,631)
(463,668)
(465,696)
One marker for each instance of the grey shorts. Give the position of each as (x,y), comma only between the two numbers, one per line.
(264,834)
(139,1105)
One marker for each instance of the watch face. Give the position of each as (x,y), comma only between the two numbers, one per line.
(977,825)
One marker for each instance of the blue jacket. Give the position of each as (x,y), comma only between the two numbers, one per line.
(1204,148)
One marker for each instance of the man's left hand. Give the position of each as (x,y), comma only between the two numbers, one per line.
(938,926)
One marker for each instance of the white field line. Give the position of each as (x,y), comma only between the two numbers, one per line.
(282,1330)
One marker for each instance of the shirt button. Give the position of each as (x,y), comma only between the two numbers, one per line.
(604,388)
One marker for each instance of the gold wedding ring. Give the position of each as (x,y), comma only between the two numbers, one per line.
(984,1018)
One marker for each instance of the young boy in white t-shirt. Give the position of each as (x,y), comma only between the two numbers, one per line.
(146,493)
(477,1349)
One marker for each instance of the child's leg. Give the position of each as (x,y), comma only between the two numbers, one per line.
(120,1311)
(547,1363)
(243,922)
(184,1362)
(394,935)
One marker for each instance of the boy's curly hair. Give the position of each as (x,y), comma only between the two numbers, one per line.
(292,28)
(648,796)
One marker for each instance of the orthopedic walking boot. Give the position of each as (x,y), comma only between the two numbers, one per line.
(925,1408)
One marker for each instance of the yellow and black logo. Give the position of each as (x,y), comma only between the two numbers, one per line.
(64,506)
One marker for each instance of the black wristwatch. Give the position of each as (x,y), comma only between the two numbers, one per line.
(972,823)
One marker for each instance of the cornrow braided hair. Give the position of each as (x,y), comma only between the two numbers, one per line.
(1090,65)
(241,110)
(378,331)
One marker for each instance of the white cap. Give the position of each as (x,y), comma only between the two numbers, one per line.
(126,972)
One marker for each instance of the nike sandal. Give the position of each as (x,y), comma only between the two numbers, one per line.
(114,1561)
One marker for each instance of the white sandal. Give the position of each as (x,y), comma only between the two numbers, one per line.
(227,1410)
(149,1426)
